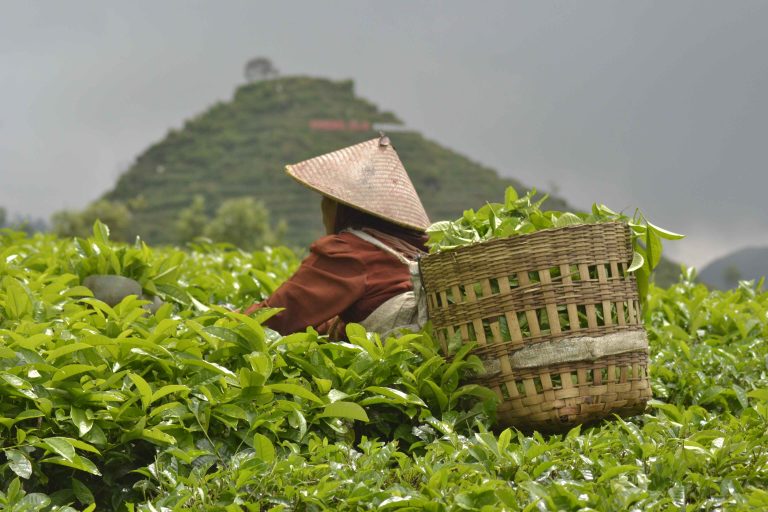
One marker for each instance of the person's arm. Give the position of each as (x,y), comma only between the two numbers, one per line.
(329,281)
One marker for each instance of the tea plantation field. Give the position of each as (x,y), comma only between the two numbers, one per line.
(197,407)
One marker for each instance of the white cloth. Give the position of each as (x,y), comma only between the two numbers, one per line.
(571,350)
(407,310)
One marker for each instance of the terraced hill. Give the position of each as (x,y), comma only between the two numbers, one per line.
(240,148)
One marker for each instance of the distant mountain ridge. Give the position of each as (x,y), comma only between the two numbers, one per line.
(745,264)
(241,147)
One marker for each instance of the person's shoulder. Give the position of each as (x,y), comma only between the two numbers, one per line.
(339,244)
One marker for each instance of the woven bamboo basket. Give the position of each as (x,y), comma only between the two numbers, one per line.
(556,319)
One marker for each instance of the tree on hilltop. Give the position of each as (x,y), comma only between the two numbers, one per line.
(260,68)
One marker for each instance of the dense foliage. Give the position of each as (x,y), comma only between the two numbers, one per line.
(198,407)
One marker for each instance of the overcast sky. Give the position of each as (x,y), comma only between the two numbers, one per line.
(656,105)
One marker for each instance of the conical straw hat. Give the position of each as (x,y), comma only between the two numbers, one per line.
(368,176)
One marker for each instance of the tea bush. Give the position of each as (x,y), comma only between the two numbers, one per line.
(197,407)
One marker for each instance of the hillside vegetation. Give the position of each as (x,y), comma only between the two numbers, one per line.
(241,147)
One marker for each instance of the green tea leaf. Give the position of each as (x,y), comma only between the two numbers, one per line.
(294,389)
(17,302)
(82,492)
(664,233)
(510,196)
(263,447)
(617,470)
(652,248)
(741,395)
(82,445)
(29,414)
(637,262)
(81,420)
(567,219)
(61,446)
(223,333)
(214,367)
(442,398)
(669,409)
(504,440)
(157,436)
(348,410)
(167,390)
(759,394)
(20,385)
(396,395)
(439,226)
(19,463)
(71,370)
(78,291)
(144,389)
(101,233)
(34,501)
(66,349)
(77,462)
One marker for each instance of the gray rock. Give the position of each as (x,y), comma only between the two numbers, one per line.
(155,303)
(110,288)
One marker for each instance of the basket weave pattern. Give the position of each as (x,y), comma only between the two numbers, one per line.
(514,293)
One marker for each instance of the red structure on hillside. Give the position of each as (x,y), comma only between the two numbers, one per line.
(339,125)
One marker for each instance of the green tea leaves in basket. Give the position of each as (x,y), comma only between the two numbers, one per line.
(523,215)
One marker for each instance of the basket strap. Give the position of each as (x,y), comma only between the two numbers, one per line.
(378,243)
(417,295)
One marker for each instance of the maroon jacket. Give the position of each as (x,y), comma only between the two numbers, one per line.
(343,276)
